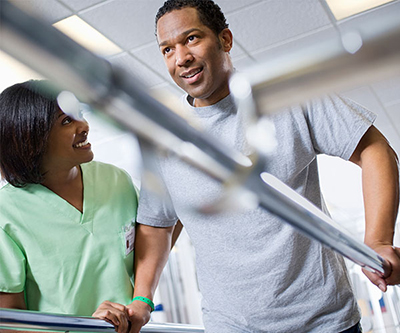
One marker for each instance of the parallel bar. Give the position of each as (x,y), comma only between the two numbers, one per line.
(109,89)
(359,56)
(123,99)
(30,320)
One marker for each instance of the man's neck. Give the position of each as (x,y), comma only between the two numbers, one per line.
(198,102)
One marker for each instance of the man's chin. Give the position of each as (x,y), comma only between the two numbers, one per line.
(195,92)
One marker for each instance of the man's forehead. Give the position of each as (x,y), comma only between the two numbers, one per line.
(177,21)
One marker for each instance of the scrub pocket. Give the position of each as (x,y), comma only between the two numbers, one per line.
(127,248)
(128,236)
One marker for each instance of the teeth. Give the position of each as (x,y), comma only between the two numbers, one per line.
(81,144)
(191,75)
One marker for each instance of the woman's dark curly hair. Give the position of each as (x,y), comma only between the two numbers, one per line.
(27,113)
(210,13)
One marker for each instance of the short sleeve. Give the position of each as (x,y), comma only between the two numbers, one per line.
(155,204)
(155,207)
(337,125)
(12,265)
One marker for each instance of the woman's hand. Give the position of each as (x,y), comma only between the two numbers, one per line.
(115,313)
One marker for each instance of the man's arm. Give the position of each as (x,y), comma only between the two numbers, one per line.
(152,248)
(380,181)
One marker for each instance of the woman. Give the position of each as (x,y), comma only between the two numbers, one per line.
(66,222)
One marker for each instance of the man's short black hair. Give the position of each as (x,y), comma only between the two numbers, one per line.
(28,111)
(210,13)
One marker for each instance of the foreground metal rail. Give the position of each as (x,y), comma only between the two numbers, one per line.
(355,57)
(30,320)
(124,100)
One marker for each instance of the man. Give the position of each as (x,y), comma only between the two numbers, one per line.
(256,273)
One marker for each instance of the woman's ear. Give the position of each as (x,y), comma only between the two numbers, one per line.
(226,39)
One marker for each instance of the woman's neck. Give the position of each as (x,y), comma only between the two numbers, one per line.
(67,184)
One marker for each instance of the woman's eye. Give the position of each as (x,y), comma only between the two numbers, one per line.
(66,120)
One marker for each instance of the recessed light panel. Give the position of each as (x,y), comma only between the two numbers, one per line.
(87,36)
(345,8)
(12,71)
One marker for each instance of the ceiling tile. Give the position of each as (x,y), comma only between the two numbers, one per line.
(365,97)
(237,50)
(128,23)
(372,22)
(269,22)
(242,63)
(228,6)
(50,10)
(394,114)
(153,58)
(296,44)
(388,90)
(78,5)
(387,120)
(137,69)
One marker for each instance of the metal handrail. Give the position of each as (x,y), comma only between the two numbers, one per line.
(31,320)
(356,56)
(124,101)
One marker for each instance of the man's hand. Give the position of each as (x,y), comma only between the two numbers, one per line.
(115,313)
(139,315)
(392,273)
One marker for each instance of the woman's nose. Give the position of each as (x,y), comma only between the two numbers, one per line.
(83,126)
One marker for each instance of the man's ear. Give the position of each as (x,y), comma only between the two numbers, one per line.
(226,39)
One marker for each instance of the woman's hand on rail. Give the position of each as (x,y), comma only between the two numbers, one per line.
(139,315)
(115,313)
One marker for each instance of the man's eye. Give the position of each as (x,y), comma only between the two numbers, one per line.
(66,120)
(166,50)
(191,38)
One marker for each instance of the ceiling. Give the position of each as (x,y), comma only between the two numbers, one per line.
(262,29)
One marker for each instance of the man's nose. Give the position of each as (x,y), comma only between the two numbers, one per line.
(183,56)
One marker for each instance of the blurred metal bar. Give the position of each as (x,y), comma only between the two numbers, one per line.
(30,320)
(126,103)
(357,56)
(109,89)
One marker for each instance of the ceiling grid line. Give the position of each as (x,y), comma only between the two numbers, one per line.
(95,6)
(387,114)
(293,39)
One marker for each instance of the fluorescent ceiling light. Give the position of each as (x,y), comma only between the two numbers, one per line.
(345,8)
(12,71)
(87,36)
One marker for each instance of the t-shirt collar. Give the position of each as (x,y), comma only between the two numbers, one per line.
(225,105)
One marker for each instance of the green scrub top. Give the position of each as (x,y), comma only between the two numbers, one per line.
(64,260)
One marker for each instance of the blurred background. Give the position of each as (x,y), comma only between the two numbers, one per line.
(122,31)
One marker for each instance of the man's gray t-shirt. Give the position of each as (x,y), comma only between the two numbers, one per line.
(257,273)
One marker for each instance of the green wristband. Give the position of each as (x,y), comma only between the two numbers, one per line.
(145,300)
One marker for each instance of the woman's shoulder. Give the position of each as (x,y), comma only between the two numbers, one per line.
(110,176)
(11,197)
(101,167)
(106,171)
(6,189)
